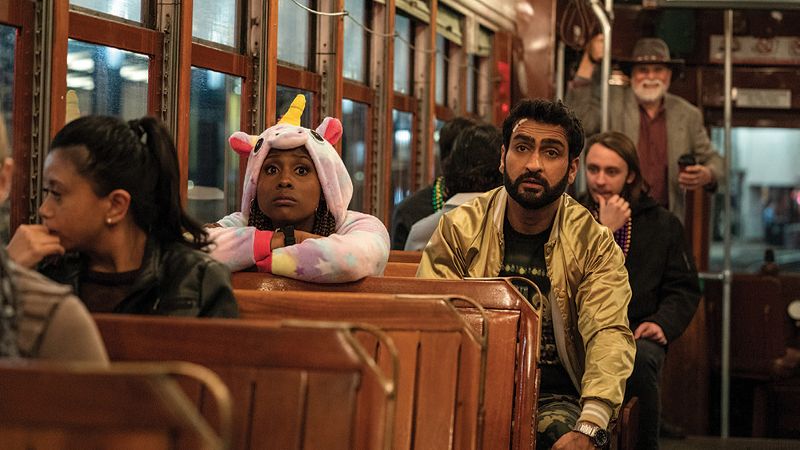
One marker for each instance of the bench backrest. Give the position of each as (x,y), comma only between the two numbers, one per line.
(513,342)
(405,256)
(758,322)
(124,406)
(293,385)
(401,269)
(441,356)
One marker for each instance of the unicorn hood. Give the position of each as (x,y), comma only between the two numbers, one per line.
(337,187)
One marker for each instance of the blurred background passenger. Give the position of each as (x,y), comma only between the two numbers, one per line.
(429,199)
(113,226)
(471,169)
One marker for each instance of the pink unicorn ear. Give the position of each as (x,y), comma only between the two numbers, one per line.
(242,143)
(330,129)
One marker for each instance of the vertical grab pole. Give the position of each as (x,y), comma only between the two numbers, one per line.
(603,16)
(726,270)
(560,70)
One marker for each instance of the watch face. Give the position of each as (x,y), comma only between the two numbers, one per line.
(601,438)
(794,310)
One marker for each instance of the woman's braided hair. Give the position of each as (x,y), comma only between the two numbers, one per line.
(324,222)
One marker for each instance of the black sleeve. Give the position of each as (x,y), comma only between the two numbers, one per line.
(679,292)
(216,297)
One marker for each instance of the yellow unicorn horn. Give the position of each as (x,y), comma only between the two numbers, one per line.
(292,116)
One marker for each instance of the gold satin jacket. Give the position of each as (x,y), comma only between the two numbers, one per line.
(589,286)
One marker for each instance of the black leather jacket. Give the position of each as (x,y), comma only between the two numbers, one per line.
(175,280)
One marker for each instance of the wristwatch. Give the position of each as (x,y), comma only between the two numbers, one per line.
(288,235)
(597,435)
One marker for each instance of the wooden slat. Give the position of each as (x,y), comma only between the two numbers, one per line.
(330,412)
(500,373)
(279,408)
(407,343)
(435,426)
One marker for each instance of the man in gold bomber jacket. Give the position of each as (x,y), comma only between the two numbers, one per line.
(529,227)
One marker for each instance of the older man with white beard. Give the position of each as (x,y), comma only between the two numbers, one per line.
(664,126)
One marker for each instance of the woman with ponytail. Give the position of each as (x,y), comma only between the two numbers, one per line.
(113,226)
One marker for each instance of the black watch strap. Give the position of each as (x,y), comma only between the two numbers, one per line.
(288,235)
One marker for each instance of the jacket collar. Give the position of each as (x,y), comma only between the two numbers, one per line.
(499,211)
(151,265)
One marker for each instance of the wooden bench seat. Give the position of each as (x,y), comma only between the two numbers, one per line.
(442,358)
(122,406)
(513,343)
(294,386)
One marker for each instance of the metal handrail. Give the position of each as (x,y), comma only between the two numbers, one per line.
(603,16)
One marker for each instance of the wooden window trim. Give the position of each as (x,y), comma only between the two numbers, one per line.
(12,14)
(299,79)
(447,69)
(137,39)
(412,57)
(444,114)
(21,16)
(358,92)
(96,30)
(236,65)
(405,103)
(212,58)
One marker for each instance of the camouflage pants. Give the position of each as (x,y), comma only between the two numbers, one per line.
(557,415)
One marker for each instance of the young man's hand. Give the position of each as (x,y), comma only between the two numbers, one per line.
(613,212)
(651,331)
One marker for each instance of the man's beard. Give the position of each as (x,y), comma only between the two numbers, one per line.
(531,200)
(652,93)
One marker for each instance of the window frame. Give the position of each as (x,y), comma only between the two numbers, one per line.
(367,53)
(312,41)
(21,17)
(406,104)
(360,93)
(98,30)
(233,64)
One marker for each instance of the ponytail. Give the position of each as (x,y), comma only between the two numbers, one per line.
(171,220)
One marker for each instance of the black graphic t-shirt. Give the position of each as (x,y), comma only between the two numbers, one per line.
(524,257)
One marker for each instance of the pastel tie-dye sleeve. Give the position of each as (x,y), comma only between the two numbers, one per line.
(359,248)
(241,247)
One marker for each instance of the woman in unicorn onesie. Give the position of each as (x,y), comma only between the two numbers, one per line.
(294,220)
